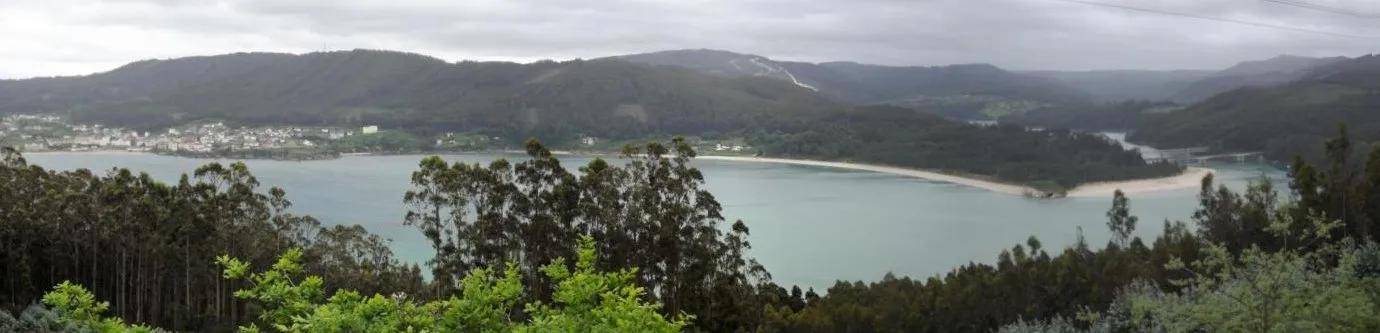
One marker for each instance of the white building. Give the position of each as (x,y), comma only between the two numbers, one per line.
(369,129)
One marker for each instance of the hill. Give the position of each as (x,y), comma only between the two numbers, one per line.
(714,62)
(1109,116)
(1124,85)
(558,102)
(129,82)
(555,101)
(1284,120)
(1262,73)
(898,136)
(1184,86)
(861,83)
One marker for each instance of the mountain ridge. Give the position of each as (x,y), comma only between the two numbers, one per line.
(865,83)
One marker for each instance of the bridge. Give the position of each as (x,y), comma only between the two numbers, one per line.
(1191,155)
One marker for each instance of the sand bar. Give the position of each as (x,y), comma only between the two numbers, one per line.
(1191,178)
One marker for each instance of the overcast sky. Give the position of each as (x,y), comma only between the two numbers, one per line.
(64,37)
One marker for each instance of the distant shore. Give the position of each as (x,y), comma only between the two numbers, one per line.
(93,152)
(1190,178)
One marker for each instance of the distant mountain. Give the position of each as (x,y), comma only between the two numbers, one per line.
(1184,86)
(1279,64)
(1283,120)
(1124,85)
(860,83)
(557,101)
(1263,73)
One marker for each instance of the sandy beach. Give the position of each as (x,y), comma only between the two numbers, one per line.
(931,175)
(1189,179)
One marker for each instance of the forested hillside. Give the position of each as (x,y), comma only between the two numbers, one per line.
(714,62)
(555,101)
(134,81)
(860,83)
(1284,121)
(1263,73)
(900,136)
(1246,262)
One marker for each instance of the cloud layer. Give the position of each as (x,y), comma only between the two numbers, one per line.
(65,37)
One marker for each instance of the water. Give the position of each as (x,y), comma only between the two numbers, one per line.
(810,225)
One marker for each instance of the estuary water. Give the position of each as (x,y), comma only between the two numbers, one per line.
(810,226)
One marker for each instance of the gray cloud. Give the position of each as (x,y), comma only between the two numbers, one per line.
(64,37)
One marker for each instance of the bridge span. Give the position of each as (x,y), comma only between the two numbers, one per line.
(1191,155)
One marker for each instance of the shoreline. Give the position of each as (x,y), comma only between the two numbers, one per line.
(1190,178)
(92,152)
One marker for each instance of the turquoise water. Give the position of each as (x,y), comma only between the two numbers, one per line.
(810,225)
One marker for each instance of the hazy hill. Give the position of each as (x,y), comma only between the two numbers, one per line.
(1184,86)
(1263,73)
(606,98)
(1122,85)
(860,83)
(1283,120)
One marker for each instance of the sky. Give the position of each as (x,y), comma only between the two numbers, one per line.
(72,37)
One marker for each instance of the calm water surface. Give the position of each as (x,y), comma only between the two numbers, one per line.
(810,225)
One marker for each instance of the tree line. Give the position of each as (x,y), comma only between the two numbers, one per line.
(1255,239)
(650,214)
(146,246)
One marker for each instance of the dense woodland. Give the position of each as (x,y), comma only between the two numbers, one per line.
(145,245)
(889,135)
(1283,121)
(151,250)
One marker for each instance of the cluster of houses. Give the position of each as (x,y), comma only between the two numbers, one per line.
(723,147)
(193,138)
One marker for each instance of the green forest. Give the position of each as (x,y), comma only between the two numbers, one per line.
(1052,160)
(531,246)
(1283,121)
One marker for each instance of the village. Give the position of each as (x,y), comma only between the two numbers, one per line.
(47,133)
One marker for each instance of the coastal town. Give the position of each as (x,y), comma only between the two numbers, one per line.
(45,133)
(49,133)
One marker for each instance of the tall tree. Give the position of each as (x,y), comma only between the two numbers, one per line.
(1119,219)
